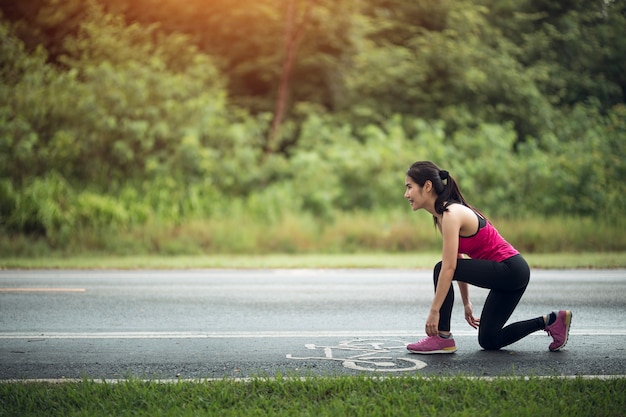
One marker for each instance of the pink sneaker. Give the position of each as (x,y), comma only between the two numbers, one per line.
(433,344)
(559,330)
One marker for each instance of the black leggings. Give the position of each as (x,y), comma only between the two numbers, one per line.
(507,281)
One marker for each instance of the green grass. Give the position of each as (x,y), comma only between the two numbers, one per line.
(354,233)
(340,396)
(364,260)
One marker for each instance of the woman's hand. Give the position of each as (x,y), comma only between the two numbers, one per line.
(469,316)
(432,324)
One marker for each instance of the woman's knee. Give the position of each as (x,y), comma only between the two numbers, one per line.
(488,341)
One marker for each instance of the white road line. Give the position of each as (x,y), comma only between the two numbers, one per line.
(39,289)
(264,334)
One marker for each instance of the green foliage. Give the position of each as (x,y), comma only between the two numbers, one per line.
(453,66)
(43,206)
(125,121)
(572,50)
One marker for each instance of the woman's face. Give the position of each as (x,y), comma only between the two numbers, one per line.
(414,193)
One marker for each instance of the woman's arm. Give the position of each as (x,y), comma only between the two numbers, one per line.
(463,286)
(450,231)
(467,305)
(464,290)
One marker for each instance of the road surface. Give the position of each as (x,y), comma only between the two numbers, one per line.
(204,324)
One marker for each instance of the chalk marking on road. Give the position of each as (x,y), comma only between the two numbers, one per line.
(266,334)
(374,355)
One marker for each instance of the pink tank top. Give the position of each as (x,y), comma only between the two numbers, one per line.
(486,244)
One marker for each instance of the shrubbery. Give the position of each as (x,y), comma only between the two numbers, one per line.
(132,126)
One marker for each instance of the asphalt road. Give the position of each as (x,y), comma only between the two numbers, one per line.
(205,324)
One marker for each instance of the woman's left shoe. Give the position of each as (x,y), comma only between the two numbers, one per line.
(559,330)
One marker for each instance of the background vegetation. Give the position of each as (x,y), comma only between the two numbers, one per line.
(287,125)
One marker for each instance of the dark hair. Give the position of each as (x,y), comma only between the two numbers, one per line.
(444,185)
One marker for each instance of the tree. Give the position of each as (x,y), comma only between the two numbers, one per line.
(294,31)
(573,48)
(456,67)
(44,22)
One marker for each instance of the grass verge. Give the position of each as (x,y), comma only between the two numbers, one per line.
(340,396)
(609,260)
(358,232)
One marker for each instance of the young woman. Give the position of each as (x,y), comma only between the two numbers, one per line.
(493,263)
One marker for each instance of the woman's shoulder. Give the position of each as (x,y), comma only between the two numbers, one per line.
(457,208)
(464,216)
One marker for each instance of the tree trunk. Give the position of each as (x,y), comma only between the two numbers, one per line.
(293,35)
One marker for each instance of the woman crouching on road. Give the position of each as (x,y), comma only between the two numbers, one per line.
(494,264)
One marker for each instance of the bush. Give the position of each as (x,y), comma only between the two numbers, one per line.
(135,130)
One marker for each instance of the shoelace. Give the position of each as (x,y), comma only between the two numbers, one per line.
(550,332)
